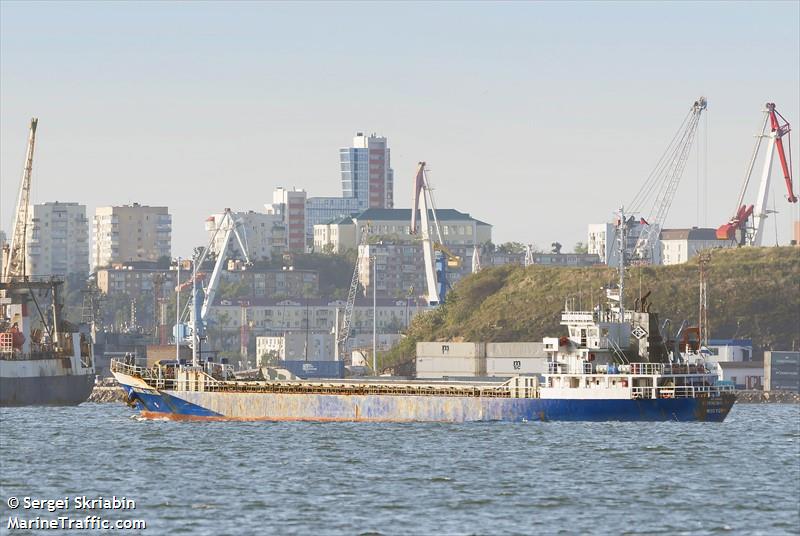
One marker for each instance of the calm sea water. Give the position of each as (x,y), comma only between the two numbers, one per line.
(738,477)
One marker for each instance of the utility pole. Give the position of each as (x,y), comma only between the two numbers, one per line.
(375,315)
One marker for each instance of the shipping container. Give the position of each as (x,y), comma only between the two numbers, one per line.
(782,371)
(510,366)
(515,349)
(437,367)
(451,349)
(314,369)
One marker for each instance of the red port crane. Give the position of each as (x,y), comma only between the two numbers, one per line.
(738,227)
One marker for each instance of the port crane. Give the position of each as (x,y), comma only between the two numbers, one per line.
(739,228)
(343,334)
(437,256)
(196,312)
(658,190)
(15,254)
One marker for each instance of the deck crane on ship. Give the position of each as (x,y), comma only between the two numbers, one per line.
(437,256)
(663,182)
(192,329)
(746,227)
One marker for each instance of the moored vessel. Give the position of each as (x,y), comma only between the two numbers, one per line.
(44,360)
(613,365)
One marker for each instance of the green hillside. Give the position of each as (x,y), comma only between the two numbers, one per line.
(752,293)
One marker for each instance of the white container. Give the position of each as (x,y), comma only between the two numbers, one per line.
(437,367)
(510,366)
(451,349)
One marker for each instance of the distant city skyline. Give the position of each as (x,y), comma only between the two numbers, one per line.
(539,118)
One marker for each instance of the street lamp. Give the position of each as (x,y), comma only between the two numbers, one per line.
(374,260)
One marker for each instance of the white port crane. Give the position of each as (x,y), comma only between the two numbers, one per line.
(658,191)
(436,254)
(15,254)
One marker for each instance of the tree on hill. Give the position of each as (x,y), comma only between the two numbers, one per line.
(581,248)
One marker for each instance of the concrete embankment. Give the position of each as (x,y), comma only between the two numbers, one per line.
(105,393)
(767,397)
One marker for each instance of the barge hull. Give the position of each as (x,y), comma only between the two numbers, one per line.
(194,405)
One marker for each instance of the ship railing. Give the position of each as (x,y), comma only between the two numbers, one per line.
(682,368)
(678,391)
(646,369)
(31,356)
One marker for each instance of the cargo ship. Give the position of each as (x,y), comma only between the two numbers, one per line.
(44,360)
(590,378)
(612,365)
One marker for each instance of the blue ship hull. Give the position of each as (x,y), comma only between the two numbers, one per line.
(389,408)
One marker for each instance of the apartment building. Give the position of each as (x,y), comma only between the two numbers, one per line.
(57,239)
(290,206)
(264,235)
(131,233)
(458,228)
(680,245)
(366,172)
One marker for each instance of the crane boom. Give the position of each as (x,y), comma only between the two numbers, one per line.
(15,259)
(736,228)
(421,203)
(664,180)
(199,305)
(234,225)
(344,334)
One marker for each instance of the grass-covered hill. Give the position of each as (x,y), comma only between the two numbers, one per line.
(752,293)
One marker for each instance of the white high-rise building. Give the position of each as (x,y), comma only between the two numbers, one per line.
(57,239)
(131,233)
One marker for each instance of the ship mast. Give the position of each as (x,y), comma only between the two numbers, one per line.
(622,239)
(15,259)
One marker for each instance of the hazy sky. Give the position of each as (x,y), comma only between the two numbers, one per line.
(535,117)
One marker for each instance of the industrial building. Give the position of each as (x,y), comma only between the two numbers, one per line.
(131,233)
(295,345)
